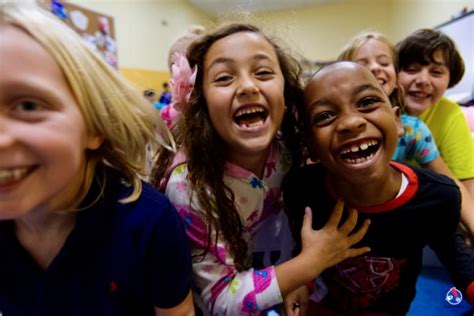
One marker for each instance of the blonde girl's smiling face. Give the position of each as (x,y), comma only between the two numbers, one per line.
(243,87)
(424,85)
(43,137)
(352,126)
(377,57)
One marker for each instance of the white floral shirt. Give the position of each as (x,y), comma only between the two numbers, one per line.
(219,288)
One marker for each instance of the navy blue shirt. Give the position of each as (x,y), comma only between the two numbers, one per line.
(120,259)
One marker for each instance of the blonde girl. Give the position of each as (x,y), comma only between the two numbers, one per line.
(80,233)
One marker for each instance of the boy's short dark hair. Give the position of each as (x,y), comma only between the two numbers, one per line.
(420,46)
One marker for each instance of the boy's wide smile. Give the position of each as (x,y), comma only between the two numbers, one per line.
(360,151)
(354,129)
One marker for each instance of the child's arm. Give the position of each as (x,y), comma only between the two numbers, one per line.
(185,308)
(322,248)
(223,289)
(467,206)
(296,302)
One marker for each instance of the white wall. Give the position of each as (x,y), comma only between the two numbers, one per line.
(317,32)
(320,32)
(410,15)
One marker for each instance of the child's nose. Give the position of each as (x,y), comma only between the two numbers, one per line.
(374,67)
(247,86)
(6,138)
(422,77)
(351,123)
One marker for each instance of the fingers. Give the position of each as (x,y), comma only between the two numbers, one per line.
(296,311)
(307,220)
(358,235)
(336,213)
(354,252)
(288,308)
(350,222)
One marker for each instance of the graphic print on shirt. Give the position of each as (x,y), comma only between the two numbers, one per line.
(358,282)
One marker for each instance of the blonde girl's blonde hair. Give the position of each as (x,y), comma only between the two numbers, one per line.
(182,42)
(349,52)
(112,108)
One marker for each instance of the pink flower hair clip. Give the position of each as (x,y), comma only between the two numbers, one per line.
(182,80)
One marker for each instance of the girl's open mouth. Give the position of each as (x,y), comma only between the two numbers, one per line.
(251,117)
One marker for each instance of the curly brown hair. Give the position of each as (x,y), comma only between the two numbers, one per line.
(207,153)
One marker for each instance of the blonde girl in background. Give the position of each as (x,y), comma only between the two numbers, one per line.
(80,233)
(416,143)
(238,138)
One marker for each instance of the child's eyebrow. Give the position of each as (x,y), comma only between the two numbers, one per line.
(323,101)
(219,60)
(223,60)
(364,87)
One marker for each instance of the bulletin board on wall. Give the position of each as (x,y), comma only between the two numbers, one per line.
(95,28)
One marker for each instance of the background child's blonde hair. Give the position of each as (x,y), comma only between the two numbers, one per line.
(112,108)
(351,48)
(183,41)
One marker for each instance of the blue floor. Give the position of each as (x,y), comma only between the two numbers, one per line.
(432,287)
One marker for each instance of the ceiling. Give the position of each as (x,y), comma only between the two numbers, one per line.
(216,7)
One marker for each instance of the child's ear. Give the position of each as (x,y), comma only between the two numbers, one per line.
(94,142)
(397,112)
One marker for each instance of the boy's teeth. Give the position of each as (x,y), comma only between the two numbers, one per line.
(361,146)
(359,160)
(10,175)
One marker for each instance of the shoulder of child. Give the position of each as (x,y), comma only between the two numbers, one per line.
(151,206)
(438,186)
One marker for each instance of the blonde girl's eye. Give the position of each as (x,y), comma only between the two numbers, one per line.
(362,62)
(29,110)
(28,106)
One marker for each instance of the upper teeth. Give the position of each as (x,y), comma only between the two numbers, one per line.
(419,94)
(250,110)
(9,175)
(361,146)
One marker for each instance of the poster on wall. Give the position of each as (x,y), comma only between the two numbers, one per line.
(95,28)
